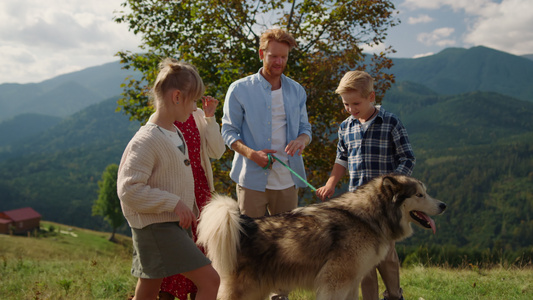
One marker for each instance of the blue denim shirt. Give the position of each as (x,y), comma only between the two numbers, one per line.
(248,117)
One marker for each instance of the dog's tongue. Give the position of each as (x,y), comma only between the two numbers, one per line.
(429,220)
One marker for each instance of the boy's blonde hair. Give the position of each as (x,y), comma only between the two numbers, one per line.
(278,35)
(182,76)
(356,81)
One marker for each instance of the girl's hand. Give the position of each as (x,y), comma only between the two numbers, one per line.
(186,216)
(209,105)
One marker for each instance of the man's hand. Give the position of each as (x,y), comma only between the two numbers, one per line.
(261,157)
(298,145)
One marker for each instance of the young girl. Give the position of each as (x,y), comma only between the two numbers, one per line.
(156,189)
(204,141)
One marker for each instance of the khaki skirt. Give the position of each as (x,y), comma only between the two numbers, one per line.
(164,249)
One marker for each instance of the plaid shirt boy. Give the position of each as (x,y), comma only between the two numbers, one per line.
(383,148)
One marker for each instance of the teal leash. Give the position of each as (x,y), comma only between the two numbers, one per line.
(270,156)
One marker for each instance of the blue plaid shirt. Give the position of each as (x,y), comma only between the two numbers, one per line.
(383,148)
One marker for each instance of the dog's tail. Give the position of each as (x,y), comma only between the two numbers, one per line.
(219,232)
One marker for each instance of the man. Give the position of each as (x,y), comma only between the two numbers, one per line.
(265,113)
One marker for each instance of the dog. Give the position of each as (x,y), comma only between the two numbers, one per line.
(327,247)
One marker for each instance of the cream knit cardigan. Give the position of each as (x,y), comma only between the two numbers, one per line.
(153,176)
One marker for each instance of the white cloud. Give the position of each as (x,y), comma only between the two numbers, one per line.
(374,48)
(501,24)
(423,54)
(438,37)
(58,36)
(506,26)
(419,19)
(470,6)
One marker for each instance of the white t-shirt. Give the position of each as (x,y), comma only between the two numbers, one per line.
(365,125)
(174,136)
(280,177)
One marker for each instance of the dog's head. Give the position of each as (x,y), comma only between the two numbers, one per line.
(415,204)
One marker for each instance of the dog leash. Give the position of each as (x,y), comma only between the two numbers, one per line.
(270,161)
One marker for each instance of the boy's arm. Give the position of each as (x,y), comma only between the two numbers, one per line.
(406,156)
(327,190)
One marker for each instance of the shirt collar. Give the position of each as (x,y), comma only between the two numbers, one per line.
(264,82)
(379,115)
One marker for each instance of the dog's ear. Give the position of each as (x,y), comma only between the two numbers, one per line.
(392,185)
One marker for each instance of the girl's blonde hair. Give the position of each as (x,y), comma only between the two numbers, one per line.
(356,81)
(182,76)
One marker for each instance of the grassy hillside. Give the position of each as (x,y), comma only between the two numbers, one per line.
(67,262)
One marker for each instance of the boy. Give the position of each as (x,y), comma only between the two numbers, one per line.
(372,142)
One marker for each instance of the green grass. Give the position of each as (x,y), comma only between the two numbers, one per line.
(434,283)
(81,265)
(85,265)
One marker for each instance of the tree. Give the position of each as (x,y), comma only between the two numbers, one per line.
(221,38)
(108,204)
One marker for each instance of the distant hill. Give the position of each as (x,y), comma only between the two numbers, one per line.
(457,70)
(528,56)
(23,126)
(63,95)
(472,118)
(56,172)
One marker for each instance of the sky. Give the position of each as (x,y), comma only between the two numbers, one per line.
(43,39)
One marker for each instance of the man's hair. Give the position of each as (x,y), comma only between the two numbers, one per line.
(278,35)
(356,81)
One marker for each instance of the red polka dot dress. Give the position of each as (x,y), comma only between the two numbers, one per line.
(178,285)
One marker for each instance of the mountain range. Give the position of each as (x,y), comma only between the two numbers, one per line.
(467,111)
(457,70)
(63,95)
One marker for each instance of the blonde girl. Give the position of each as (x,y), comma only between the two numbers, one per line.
(156,189)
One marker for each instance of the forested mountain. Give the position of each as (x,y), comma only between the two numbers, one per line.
(473,118)
(57,171)
(474,151)
(63,95)
(23,126)
(457,70)
(528,56)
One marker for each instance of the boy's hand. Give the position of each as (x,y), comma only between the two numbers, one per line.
(325,192)
(186,216)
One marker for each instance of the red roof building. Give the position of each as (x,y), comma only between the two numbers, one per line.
(19,220)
